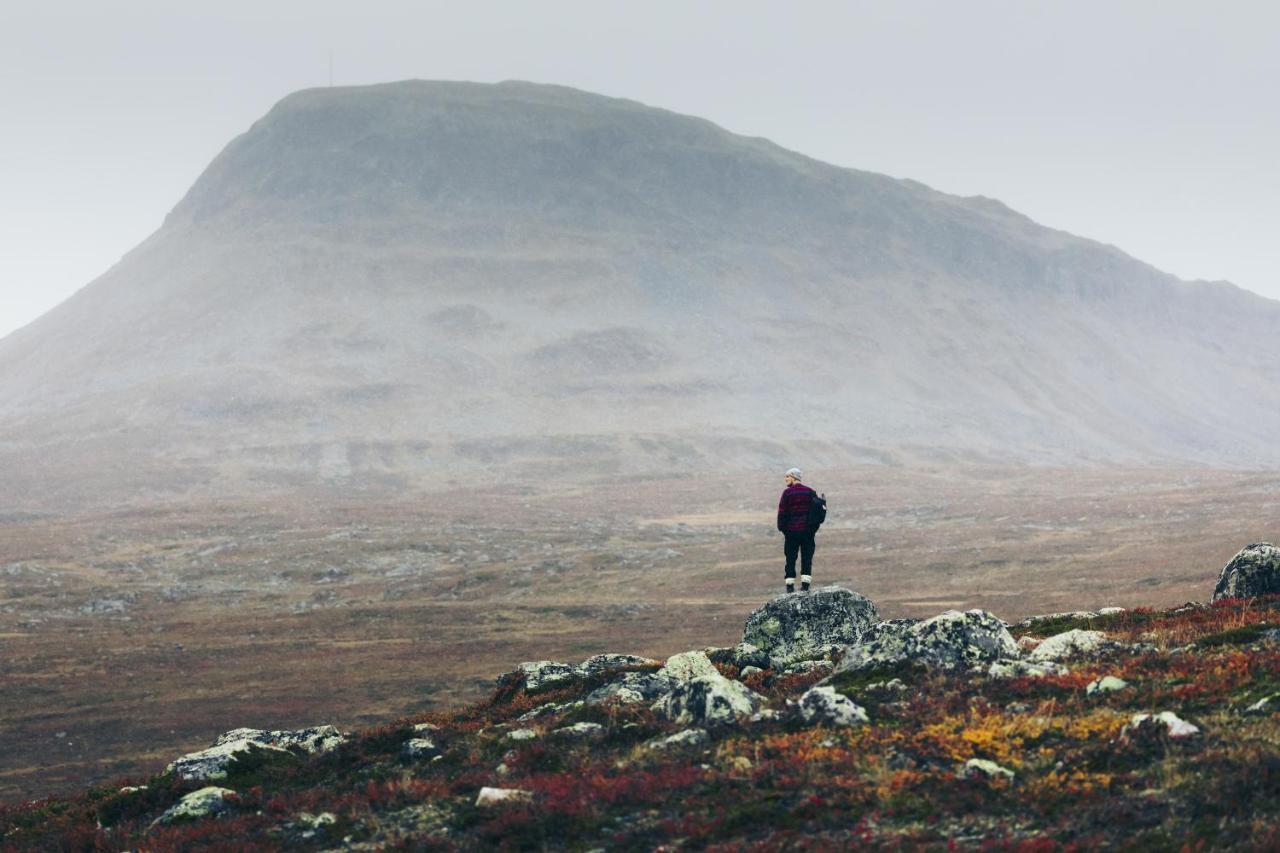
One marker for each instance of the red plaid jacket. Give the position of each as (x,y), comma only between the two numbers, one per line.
(793,508)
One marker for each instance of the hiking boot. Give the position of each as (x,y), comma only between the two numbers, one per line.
(790,588)
(804,587)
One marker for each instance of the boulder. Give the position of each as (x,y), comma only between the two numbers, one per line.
(421,747)
(1106,684)
(542,675)
(687,666)
(823,706)
(500,796)
(687,739)
(792,627)
(951,640)
(1252,572)
(982,768)
(1173,725)
(212,763)
(520,735)
(741,655)
(711,700)
(1016,668)
(597,664)
(205,802)
(1069,644)
(631,687)
(579,731)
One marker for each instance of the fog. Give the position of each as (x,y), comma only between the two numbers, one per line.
(1143,125)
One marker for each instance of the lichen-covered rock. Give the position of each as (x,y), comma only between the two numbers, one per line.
(686,740)
(579,731)
(741,655)
(489,797)
(420,747)
(631,687)
(687,666)
(207,801)
(1071,644)
(1105,684)
(981,767)
(823,706)
(1252,572)
(550,709)
(541,675)
(212,763)
(1173,725)
(951,640)
(1017,668)
(598,664)
(710,700)
(792,627)
(803,666)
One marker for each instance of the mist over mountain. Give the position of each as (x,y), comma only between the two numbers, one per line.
(388,287)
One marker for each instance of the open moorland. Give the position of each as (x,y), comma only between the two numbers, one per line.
(132,637)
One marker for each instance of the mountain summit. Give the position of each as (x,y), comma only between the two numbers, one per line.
(377,285)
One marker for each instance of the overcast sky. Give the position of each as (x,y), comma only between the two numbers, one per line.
(1153,126)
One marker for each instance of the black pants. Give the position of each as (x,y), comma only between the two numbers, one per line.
(803,544)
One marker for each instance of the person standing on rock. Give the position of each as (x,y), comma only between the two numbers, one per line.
(798,532)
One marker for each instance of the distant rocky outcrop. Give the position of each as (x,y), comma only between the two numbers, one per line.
(1252,572)
(797,626)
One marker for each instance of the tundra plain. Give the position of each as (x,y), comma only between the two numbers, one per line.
(131,637)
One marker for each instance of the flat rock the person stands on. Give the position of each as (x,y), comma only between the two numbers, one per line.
(794,627)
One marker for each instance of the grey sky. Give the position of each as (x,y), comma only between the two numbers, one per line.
(1149,125)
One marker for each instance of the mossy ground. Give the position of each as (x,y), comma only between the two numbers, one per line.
(1078,783)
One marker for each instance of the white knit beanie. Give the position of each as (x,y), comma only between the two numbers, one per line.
(795,472)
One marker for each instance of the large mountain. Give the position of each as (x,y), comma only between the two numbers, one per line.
(392,286)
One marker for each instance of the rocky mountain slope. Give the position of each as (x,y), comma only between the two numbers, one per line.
(375,287)
(1139,729)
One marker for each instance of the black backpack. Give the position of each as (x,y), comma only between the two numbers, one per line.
(817,512)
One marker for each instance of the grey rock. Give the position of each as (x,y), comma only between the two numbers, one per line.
(1017,668)
(951,640)
(687,666)
(750,670)
(520,735)
(708,701)
(205,802)
(981,767)
(489,797)
(579,731)
(541,675)
(803,666)
(825,707)
(1106,684)
(741,655)
(1174,726)
(792,627)
(597,664)
(685,740)
(1254,571)
(421,747)
(549,710)
(1071,644)
(212,763)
